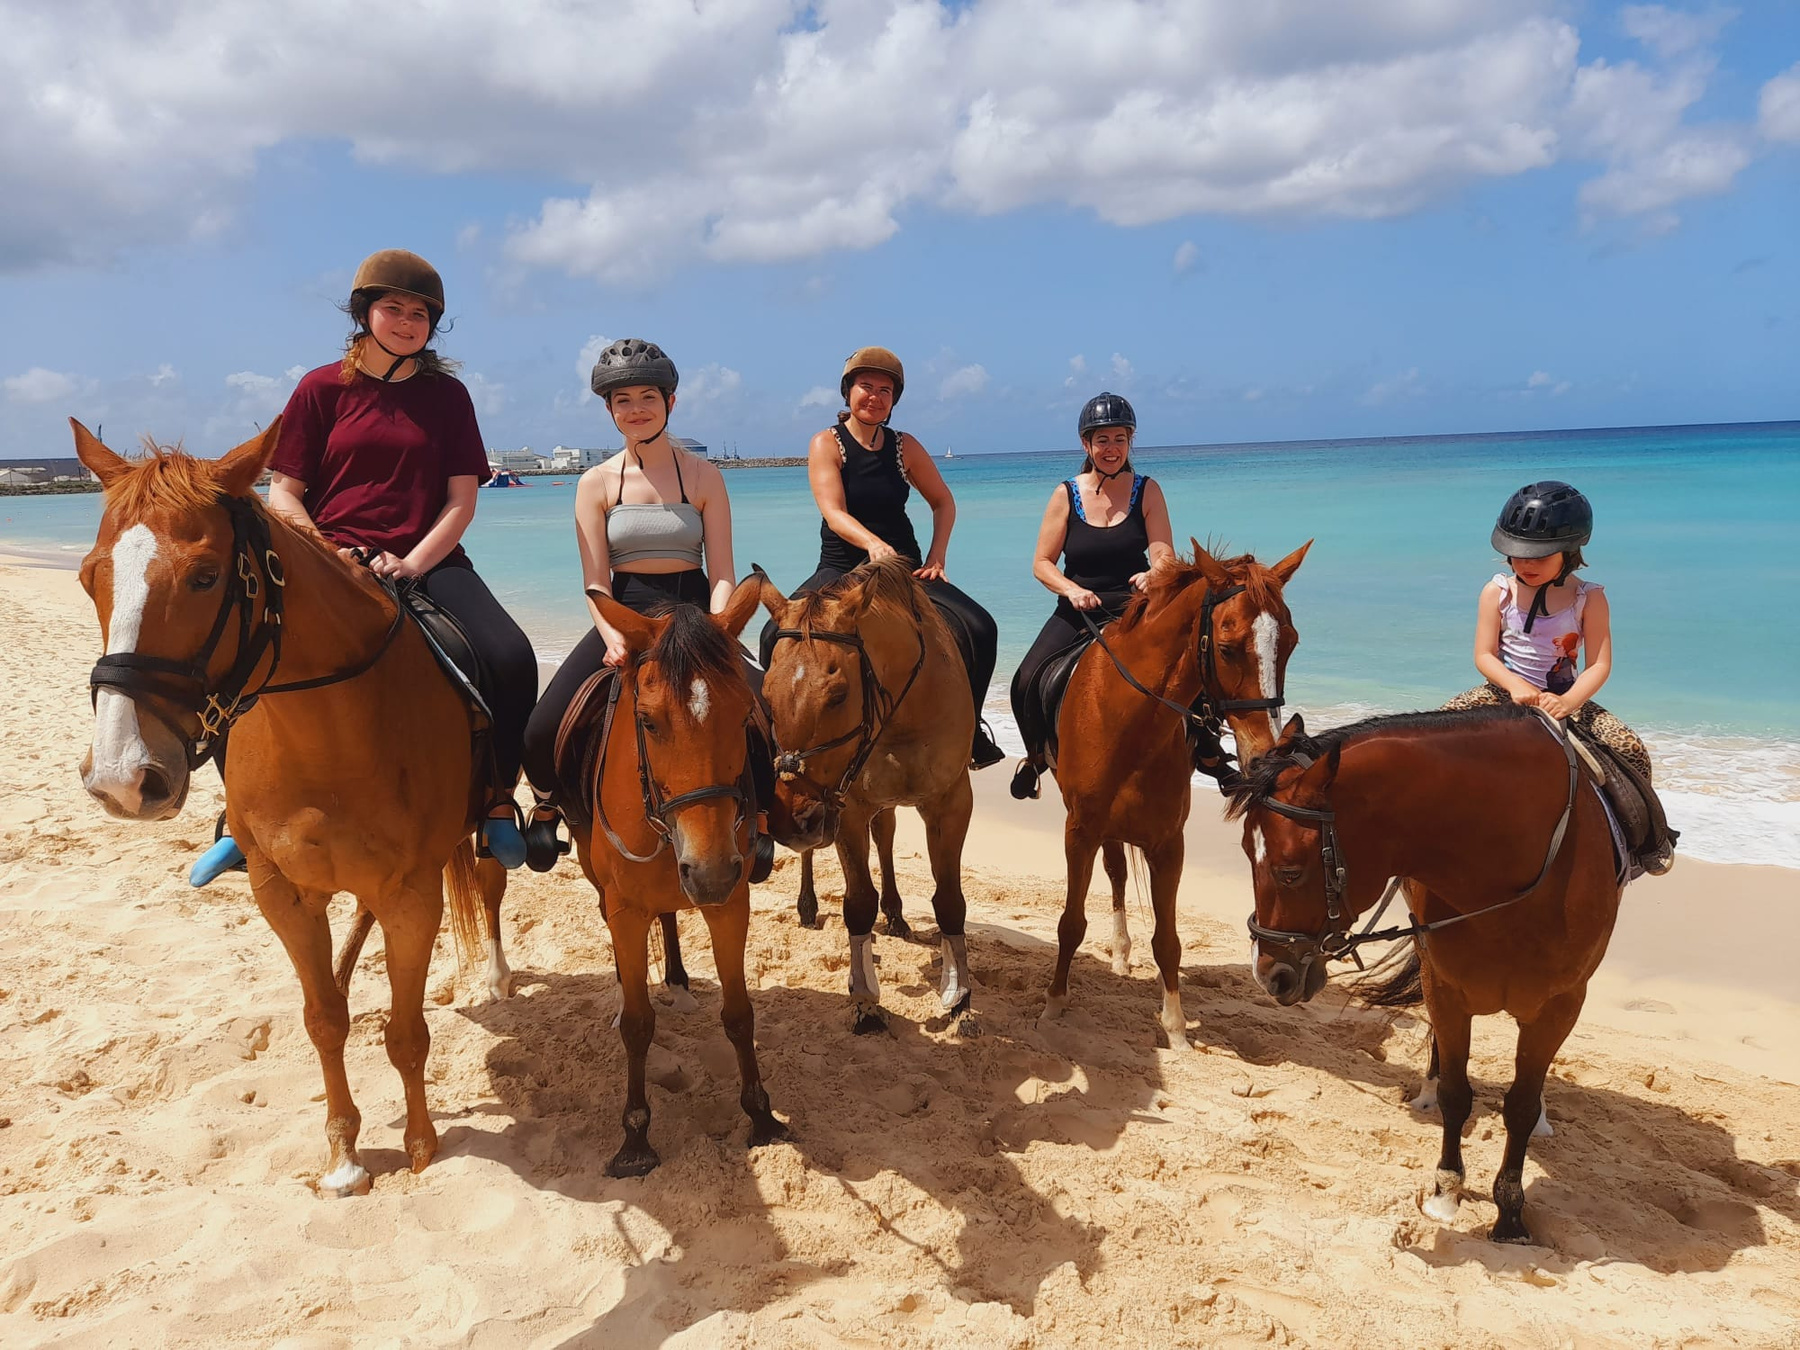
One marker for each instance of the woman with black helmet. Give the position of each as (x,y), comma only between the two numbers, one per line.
(1110,525)
(380,452)
(653,523)
(862,471)
(1531,625)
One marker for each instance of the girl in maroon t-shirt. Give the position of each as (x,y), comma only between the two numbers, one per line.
(380,452)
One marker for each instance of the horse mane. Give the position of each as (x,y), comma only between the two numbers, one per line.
(1259,581)
(889,590)
(165,476)
(693,647)
(1258,780)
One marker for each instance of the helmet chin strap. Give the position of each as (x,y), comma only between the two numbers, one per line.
(1108,477)
(1540,603)
(399,360)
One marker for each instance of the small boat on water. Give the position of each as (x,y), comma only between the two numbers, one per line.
(505,478)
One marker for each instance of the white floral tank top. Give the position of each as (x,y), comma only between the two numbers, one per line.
(1547,655)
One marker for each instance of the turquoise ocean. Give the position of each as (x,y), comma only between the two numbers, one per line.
(1697,540)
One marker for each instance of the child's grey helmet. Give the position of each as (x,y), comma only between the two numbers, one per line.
(632,361)
(1541,519)
(1106,410)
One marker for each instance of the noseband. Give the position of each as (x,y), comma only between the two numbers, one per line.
(659,811)
(878,710)
(1204,717)
(1335,941)
(255,574)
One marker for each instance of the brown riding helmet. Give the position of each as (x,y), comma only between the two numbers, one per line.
(873,358)
(396,269)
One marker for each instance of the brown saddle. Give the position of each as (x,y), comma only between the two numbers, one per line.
(577,751)
(1634,802)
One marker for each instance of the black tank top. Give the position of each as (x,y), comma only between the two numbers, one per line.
(875,493)
(1104,558)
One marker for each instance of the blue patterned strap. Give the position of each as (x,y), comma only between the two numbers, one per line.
(1075,500)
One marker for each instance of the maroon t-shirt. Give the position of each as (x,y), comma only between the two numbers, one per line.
(377,458)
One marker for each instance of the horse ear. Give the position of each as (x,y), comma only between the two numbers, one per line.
(769,594)
(106,465)
(236,472)
(1318,778)
(1209,566)
(1293,731)
(1289,565)
(638,630)
(740,607)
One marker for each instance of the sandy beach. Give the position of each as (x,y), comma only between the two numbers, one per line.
(1076,1183)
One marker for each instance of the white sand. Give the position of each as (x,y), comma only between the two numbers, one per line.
(1071,1185)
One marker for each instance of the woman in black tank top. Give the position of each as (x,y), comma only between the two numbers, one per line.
(862,472)
(1110,526)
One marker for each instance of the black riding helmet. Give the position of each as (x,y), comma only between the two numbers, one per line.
(632,361)
(1543,518)
(1106,410)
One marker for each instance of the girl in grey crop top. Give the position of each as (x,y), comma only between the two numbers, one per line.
(637,531)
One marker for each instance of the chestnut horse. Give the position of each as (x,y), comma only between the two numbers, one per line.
(670,800)
(870,710)
(349,763)
(1209,639)
(1511,881)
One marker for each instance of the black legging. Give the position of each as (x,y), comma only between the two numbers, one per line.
(1062,630)
(639,591)
(960,611)
(504,650)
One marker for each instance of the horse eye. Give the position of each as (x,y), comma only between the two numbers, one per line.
(203,581)
(837,698)
(648,724)
(1288,876)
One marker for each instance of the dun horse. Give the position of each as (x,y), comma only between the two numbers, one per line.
(350,762)
(1511,883)
(668,804)
(1209,640)
(871,711)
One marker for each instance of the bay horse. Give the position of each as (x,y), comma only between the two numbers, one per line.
(1510,879)
(1208,639)
(670,799)
(870,709)
(349,763)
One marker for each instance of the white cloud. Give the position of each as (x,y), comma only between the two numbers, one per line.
(1187,256)
(964,381)
(1778,110)
(1543,381)
(1077,368)
(249,382)
(590,353)
(1404,385)
(165,374)
(820,397)
(1122,372)
(39,385)
(758,138)
(488,396)
(710,383)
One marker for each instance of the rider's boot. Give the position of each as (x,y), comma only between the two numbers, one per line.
(501,837)
(543,845)
(224,856)
(1025,780)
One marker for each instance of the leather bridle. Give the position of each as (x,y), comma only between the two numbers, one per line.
(1335,941)
(255,575)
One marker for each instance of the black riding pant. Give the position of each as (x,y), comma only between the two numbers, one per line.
(1062,630)
(504,650)
(643,592)
(977,635)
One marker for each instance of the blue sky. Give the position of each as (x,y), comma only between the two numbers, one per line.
(1258,222)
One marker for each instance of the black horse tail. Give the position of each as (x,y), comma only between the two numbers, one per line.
(1393,982)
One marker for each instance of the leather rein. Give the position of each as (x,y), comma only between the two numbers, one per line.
(878,710)
(1335,941)
(1204,717)
(255,575)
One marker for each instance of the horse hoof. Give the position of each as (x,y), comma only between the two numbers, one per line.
(682,999)
(766,1130)
(868,1021)
(500,988)
(1427,1098)
(633,1162)
(1054,1008)
(968,1026)
(421,1152)
(1121,965)
(898,927)
(1512,1232)
(349,1179)
(808,914)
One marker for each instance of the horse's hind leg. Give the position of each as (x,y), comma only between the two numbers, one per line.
(1078,856)
(490,875)
(806,904)
(728,925)
(409,930)
(1450,1028)
(351,951)
(882,829)
(1165,943)
(1539,1041)
(637,1024)
(301,922)
(946,828)
(675,976)
(1427,1099)
(1112,857)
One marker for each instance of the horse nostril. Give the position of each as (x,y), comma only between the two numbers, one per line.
(1282,981)
(154,786)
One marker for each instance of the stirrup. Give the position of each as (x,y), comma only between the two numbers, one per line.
(983,752)
(501,839)
(223,856)
(543,844)
(762,857)
(1025,781)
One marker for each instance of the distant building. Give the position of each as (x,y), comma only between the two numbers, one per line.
(691,446)
(522,460)
(573,459)
(24,472)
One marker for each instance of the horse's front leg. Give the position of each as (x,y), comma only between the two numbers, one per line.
(882,828)
(301,921)
(411,918)
(1112,858)
(729,925)
(630,929)
(1450,1026)
(1165,860)
(675,976)
(806,904)
(859,920)
(1539,1040)
(1078,855)
(946,828)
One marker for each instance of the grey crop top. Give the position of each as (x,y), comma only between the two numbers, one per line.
(636,531)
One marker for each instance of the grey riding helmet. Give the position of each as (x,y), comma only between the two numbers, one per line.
(1541,519)
(631,361)
(1106,410)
